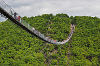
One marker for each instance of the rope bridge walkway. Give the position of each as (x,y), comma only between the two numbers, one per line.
(8,12)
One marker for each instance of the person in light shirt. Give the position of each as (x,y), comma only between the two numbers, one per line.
(33,28)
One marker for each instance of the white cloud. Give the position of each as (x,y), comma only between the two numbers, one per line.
(70,7)
(2,19)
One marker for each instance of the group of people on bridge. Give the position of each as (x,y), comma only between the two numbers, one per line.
(47,38)
(17,17)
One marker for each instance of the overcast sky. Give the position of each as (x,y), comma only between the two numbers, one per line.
(70,7)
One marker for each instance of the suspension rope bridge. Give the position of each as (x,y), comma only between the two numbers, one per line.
(8,12)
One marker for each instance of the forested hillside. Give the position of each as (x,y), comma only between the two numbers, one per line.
(19,48)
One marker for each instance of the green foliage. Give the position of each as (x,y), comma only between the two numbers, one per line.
(19,48)
(62,15)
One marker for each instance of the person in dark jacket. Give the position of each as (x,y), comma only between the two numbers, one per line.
(15,14)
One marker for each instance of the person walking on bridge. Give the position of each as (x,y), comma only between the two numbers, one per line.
(19,18)
(15,14)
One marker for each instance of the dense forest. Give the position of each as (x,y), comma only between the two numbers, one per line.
(20,48)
